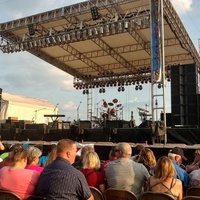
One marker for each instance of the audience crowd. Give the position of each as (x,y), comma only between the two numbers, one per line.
(62,174)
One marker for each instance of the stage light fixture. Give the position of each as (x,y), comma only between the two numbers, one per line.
(63,38)
(68,37)
(123,89)
(113,28)
(90,32)
(73,36)
(126,25)
(59,39)
(100,90)
(104,90)
(84,34)
(95,13)
(78,35)
(120,27)
(119,89)
(107,28)
(159,86)
(48,41)
(31,29)
(136,87)
(101,30)
(95,31)
(140,87)
(39,43)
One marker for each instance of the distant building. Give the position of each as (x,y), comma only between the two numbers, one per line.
(25,108)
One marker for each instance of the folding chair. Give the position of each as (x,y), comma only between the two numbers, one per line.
(96,193)
(119,194)
(8,195)
(155,196)
(193,191)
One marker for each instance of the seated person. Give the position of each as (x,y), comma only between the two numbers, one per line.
(60,180)
(79,164)
(9,159)
(194,178)
(124,173)
(33,157)
(164,179)
(177,156)
(17,179)
(148,159)
(52,156)
(196,163)
(91,165)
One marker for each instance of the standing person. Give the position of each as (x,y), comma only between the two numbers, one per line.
(124,173)
(17,179)
(91,165)
(177,156)
(165,180)
(60,180)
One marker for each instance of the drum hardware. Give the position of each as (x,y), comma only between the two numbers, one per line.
(115,100)
(110,104)
(105,104)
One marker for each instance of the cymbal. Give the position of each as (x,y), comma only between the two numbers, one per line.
(110,104)
(105,104)
(115,100)
(119,105)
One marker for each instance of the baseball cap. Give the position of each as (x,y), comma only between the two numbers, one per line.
(178,151)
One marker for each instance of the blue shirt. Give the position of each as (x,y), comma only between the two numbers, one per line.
(181,175)
(60,180)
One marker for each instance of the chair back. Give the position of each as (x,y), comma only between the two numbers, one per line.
(193,191)
(33,197)
(191,198)
(155,196)
(8,195)
(96,193)
(119,194)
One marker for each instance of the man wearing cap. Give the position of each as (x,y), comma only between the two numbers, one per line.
(177,156)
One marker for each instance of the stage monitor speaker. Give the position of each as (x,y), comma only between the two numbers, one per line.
(85,124)
(168,118)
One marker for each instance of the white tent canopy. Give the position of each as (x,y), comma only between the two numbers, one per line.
(26,108)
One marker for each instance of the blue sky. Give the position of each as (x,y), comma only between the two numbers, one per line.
(24,74)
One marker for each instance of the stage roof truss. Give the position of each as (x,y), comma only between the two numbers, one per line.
(114,49)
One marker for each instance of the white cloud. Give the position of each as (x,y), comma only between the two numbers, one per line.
(182,6)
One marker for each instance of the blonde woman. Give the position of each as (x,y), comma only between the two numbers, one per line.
(164,179)
(52,156)
(91,165)
(147,158)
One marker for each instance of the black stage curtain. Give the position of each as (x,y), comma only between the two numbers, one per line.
(135,135)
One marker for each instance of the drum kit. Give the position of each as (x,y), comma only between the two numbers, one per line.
(110,110)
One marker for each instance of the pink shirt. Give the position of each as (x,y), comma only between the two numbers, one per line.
(20,181)
(35,167)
